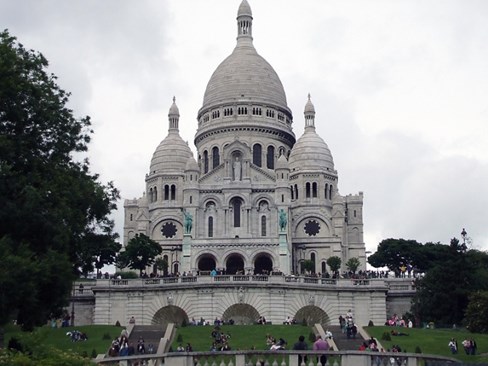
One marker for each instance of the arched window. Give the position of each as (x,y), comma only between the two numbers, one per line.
(292,193)
(312,258)
(270,157)
(326,193)
(263,225)
(257,154)
(166,192)
(330,192)
(236,207)
(314,189)
(205,162)
(150,195)
(324,269)
(155,194)
(307,190)
(215,157)
(296,192)
(210,227)
(173,192)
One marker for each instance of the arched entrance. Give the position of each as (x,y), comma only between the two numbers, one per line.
(263,264)
(311,315)
(234,264)
(242,314)
(170,314)
(206,263)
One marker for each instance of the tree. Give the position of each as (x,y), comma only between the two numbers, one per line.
(443,293)
(334,263)
(477,312)
(162,265)
(308,265)
(52,206)
(140,253)
(353,264)
(392,253)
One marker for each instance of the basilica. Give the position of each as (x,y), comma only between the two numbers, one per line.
(255,199)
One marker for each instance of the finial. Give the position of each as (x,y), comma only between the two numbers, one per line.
(174,98)
(308,96)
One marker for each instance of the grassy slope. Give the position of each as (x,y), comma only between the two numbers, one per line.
(243,337)
(434,341)
(56,337)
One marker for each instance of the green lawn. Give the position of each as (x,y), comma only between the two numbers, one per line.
(57,337)
(243,337)
(434,341)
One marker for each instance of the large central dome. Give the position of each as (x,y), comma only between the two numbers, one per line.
(244,76)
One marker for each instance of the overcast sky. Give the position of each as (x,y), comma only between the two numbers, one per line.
(400,90)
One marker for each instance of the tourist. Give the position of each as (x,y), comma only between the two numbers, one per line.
(189,348)
(180,348)
(321,345)
(453,346)
(301,346)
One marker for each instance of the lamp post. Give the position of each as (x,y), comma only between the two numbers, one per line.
(464,234)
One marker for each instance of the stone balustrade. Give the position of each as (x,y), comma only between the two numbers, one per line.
(290,358)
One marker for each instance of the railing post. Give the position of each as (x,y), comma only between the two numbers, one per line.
(240,360)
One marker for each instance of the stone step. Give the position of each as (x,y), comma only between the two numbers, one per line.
(341,340)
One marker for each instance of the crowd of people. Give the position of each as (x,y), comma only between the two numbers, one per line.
(121,346)
(220,340)
(347,325)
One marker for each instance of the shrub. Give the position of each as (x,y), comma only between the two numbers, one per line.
(179,339)
(418,350)
(370,324)
(117,323)
(106,336)
(94,353)
(304,322)
(386,336)
(183,323)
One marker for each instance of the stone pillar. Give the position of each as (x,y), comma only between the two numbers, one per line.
(186,254)
(284,253)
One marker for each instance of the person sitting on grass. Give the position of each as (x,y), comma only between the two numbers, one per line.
(397,333)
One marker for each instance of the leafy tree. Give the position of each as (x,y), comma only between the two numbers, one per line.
(308,265)
(392,253)
(52,206)
(140,253)
(443,293)
(162,265)
(334,263)
(353,264)
(477,312)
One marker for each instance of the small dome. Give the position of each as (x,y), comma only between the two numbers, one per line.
(173,110)
(309,107)
(311,153)
(244,9)
(282,163)
(191,164)
(171,155)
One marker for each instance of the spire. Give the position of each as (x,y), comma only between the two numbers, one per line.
(244,23)
(173,117)
(309,114)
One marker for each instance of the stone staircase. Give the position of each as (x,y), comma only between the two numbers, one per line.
(341,340)
(151,334)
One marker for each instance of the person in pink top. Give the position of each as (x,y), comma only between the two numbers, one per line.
(321,345)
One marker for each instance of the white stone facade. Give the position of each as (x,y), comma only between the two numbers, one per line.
(249,167)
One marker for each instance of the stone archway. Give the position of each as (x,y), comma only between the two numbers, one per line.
(234,264)
(311,315)
(206,263)
(170,314)
(263,264)
(241,314)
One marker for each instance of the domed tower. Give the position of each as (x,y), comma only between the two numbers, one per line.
(244,100)
(319,213)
